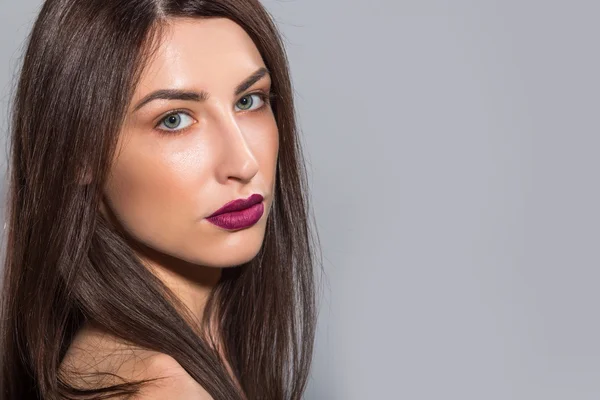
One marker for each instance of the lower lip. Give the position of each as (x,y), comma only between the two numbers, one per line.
(238,219)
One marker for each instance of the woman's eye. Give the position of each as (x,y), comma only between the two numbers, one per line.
(247,102)
(174,122)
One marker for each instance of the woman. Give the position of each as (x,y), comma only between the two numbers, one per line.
(158,243)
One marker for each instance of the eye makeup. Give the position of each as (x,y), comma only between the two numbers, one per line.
(265,97)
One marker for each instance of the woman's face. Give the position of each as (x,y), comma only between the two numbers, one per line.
(199,133)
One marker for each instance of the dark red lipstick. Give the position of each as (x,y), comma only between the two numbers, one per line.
(238,214)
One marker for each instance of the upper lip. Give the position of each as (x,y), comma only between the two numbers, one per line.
(237,205)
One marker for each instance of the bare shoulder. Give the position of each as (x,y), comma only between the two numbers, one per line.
(97,359)
(174,381)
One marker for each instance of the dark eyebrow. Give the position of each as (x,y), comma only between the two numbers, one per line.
(185,95)
(172,94)
(251,80)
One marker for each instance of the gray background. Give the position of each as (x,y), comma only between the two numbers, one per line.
(452,152)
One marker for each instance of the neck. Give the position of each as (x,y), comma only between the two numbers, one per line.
(191,283)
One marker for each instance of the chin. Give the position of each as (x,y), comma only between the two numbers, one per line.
(231,258)
(236,249)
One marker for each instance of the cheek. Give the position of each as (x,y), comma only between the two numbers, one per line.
(153,188)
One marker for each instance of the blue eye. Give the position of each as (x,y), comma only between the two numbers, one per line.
(173,121)
(247,102)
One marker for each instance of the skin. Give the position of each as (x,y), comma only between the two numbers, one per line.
(163,184)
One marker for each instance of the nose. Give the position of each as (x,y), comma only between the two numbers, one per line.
(237,162)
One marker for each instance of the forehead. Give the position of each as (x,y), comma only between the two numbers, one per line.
(202,53)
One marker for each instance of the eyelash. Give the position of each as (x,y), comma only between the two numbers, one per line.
(266,98)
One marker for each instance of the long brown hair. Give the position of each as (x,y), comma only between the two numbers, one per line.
(65,265)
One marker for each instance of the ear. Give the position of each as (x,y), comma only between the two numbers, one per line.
(103,209)
(86,179)
(84,176)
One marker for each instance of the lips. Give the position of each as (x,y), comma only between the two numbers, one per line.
(238,214)
(238,205)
